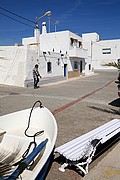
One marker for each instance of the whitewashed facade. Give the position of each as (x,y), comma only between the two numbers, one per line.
(58,54)
(101,51)
(74,58)
(17,63)
(12,65)
(68,44)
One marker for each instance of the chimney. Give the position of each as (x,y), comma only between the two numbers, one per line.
(44,30)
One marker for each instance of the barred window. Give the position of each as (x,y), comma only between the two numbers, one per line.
(106,51)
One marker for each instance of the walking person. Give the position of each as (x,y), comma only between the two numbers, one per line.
(36,76)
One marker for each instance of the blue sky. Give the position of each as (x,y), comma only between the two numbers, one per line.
(78,16)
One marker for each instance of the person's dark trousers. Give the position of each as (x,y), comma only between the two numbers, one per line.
(36,82)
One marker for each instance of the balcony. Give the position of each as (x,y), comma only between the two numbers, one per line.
(77,52)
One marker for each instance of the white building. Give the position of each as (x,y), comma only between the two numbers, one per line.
(101,51)
(59,54)
(17,63)
(74,59)
(70,44)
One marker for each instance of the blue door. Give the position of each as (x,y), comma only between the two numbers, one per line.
(65,70)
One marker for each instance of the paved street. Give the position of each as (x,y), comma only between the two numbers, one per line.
(78,105)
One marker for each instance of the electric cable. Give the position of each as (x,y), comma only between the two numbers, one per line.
(17,15)
(16,20)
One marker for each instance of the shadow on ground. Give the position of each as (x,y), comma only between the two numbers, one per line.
(112,111)
(115,103)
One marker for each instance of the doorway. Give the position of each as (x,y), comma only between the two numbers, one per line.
(81,64)
(65,70)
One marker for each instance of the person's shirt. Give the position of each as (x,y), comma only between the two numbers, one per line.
(35,72)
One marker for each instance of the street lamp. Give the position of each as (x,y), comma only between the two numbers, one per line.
(48,13)
(37,31)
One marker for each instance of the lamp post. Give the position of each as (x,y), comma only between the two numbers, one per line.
(37,30)
(56,22)
(48,13)
(49,23)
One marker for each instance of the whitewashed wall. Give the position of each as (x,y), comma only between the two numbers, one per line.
(12,65)
(55,41)
(60,41)
(57,70)
(99,59)
(95,47)
(17,63)
(87,37)
(31,60)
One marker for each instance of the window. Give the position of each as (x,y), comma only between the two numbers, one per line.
(89,66)
(80,44)
(71,41)
(75,65)
(106,51)
(49,67)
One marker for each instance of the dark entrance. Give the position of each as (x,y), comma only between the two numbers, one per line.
(65,70)
(81,63)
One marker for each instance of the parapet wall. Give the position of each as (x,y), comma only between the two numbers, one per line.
(12,65)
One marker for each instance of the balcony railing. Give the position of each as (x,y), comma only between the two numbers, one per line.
(77,52)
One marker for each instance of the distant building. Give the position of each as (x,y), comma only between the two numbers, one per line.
(101,51)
